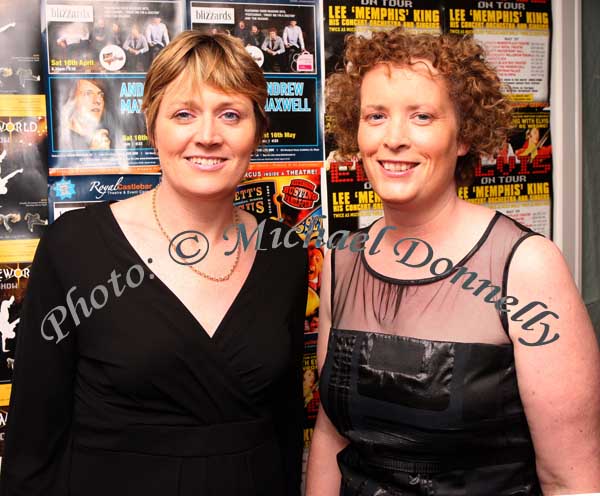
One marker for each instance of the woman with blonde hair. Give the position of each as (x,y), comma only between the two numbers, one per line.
(147,363)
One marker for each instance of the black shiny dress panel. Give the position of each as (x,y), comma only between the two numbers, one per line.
(426,416)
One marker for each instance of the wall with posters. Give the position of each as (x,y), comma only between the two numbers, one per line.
(72,131)
(23,172)
(516,36)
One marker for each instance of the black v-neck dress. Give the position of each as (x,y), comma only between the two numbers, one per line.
(137,399)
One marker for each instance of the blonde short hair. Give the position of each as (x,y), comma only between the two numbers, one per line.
(218,60)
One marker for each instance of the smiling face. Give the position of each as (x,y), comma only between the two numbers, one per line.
(204,138)
(408,133)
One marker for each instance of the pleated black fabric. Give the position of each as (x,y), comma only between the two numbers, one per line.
(138,399)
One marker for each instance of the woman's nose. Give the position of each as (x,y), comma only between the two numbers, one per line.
(208,132)
(396,135)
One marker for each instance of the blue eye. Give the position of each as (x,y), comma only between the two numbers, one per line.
(231,116)
(183,115)
(375,117)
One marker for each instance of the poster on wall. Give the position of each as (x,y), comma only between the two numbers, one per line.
(96,57)
(518,181)
(288,192)
(351,202)
(13,284)
(516,37)
(23,173)
(341,18)
(20,68)
(310,390)
(284,41)
(72,192)
(117,141)
(291,193)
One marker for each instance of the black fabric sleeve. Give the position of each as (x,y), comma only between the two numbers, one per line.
(37,443)
(289,414)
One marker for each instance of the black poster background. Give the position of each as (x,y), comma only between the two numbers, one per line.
(20,45)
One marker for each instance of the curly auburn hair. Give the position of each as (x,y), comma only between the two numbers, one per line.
(473,86)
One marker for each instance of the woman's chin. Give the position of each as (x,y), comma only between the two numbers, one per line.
(398,195)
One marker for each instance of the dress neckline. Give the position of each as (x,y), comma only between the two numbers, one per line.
(429,280)
(402,337)
(105,210)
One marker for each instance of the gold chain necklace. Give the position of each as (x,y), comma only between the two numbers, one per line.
(199,272)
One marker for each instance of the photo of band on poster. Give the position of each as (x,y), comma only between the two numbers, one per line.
(88,142)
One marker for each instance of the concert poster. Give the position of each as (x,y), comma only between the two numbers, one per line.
(20,68)
(23,173)
(13,283)
(516,37)
(284,41)
(518,180)
(96,57)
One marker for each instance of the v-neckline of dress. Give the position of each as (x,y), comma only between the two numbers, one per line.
(140,261)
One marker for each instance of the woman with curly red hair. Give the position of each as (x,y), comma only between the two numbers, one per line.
(456,356)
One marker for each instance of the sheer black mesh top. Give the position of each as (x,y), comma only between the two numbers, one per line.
(420,377)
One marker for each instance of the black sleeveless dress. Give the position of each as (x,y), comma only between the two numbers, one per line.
(420,378)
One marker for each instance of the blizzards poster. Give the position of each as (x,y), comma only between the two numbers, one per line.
(96,56)
(23,173)
(518,181)
(108,37)
(13,283)
(72,192)
(96,126)
(20,68)
(284,41)
(294,121)
(516,36)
